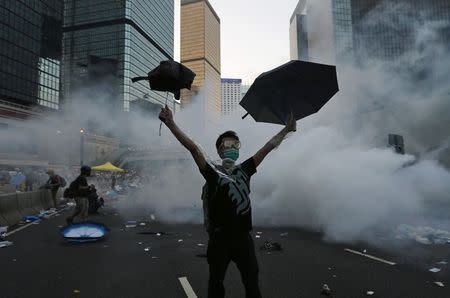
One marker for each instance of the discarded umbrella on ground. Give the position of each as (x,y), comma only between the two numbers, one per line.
(271,246)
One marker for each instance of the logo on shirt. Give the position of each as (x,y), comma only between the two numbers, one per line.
(238,190)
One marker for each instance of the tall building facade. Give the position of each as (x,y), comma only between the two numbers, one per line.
(231,90)
(386,30)
(30,51)
(312,32)
(200,51)
(107,42)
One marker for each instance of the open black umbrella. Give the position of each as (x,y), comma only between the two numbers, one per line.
(169,76)
(297,87)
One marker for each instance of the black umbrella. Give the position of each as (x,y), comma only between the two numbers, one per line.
(169,76)
(297,87)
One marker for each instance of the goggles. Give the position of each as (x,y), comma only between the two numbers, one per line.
(230,143)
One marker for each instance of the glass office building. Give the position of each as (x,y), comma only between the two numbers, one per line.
(107,42)
(30,51)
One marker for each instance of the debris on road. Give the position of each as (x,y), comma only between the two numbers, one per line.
(326,291)
(370,293)
(439,283)
(257,236)
(439,263)
(200,244)
(76,291)
(140,243)
(423,235)
(365,251)
(3,231)
(284,234)
(147,249)
(71,204)
(180,240)
(259,233)
(142,224)
(31,218)
(271,246)
(153,257)
(5,243)
(434,270)
(131,224)
(152,217)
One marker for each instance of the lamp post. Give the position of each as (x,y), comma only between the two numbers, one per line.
(81,147)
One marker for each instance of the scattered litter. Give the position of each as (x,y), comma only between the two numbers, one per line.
(439,283)
(152,217)
(159,234)
(284,234)
(140,243)
(271,246)
(364,251)
(259,233)
(31,218)
(326,291)
(85,232)
(153,257)
(76,291)
(439,263)
(5,243)
(142,224)
(152,233)
(71,204)
(434,270)
(131,224)
(329,268)
(370,293)
(423,235)
(180,240)
(3,231)
(200,244)
(334,275)
(147,249)
(257,236)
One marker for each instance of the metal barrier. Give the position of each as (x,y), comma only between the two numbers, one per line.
(14,206)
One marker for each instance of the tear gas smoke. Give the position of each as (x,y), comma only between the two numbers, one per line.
(335,174)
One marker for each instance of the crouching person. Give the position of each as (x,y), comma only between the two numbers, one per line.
(80,190)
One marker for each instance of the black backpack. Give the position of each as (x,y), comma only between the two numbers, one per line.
(70,192)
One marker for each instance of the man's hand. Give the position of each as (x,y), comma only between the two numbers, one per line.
(166,115)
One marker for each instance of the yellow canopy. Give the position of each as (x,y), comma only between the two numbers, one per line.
(107,167)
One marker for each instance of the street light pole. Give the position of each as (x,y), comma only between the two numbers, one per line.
(81,147)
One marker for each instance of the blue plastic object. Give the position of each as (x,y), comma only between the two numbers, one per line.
(30,218)
(84,232)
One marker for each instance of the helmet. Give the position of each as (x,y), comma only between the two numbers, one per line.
(86,170)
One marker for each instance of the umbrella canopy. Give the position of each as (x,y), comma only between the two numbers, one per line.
(107,167)
(84,232)
(297,87)
(169,76)
(17,179)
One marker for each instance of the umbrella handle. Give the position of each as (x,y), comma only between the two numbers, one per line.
(160,124)
(135,79)
(243,117)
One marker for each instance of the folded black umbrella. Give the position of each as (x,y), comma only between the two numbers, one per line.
(169,76)
(297,87)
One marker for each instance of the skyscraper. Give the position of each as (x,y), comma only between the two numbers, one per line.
(311,32)
(107,42)
(200,51)
(231,95)
(30,51)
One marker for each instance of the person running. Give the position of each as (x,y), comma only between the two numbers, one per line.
(81,191)
(227,207)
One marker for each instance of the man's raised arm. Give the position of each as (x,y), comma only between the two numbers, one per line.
(274,142)
(167,118)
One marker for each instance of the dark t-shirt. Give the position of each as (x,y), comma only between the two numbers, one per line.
(80,181)
(228,206)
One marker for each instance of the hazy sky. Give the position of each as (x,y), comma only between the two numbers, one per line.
(254,35)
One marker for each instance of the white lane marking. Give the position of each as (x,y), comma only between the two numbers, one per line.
(34,222)
(187,287)
(369,256)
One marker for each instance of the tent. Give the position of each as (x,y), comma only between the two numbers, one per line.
(107,167)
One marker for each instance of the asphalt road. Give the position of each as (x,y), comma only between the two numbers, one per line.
(42,264)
